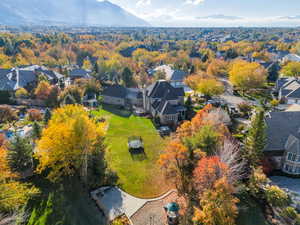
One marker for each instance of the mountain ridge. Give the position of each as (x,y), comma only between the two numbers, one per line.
(66,12)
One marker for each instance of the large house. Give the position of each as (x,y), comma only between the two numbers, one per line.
(121,96)
(75,74)
(13,79)
(288,90)
(174,77)
(26,77)
(165,102)
(52,76)
(283,140)
(161,100)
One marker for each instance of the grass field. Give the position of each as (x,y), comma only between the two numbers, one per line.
(140,174)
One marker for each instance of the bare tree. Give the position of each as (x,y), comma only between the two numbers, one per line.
(15,218)
(218,116)
(230,154)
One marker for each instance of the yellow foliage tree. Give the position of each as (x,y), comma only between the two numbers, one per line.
(13,194)
(67,142)
(217,67)
(87,65)
(291,69)
(245,75)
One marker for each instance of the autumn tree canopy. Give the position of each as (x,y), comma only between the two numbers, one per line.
(245,75)
(292,69)
(68,142)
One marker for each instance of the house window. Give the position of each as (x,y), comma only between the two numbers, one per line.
(288,168)
(289,156)
(298,160)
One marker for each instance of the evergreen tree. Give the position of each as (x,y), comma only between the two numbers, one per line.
(127,77)
(20,154)
(96,68)
(189,104)
(47,116)
(256,140)
(36,131)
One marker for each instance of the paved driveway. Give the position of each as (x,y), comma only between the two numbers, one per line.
(292,184)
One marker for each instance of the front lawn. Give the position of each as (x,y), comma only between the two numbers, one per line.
(139,174)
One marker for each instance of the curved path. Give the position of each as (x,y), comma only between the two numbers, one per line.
(114,202)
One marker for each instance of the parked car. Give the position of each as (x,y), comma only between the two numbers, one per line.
(164,131)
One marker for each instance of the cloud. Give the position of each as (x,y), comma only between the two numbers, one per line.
(142,3)
(290,17)
(220,17)
(194,2)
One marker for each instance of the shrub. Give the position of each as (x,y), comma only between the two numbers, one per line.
(7,114)
(274,102)
(245,108)
(257,180)
(289,212)
(21,93)
(276,196)
(34,115)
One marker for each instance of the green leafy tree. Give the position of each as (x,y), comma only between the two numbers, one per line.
(205,139)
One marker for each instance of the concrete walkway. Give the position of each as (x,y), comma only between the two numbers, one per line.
(114,202)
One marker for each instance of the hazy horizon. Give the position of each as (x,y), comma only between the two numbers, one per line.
(215,13)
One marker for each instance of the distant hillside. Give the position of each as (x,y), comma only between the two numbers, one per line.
(66,12)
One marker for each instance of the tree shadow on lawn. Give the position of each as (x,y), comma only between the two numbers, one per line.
(65,203)
(138,154)
(117,110)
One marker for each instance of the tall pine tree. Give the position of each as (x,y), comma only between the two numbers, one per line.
(256,140)
(20,154)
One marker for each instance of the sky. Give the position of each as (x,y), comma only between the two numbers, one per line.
(214,13)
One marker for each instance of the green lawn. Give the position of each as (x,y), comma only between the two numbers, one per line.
(139,175)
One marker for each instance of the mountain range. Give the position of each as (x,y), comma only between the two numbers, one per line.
(66,12)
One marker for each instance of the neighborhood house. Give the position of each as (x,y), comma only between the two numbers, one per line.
(283,141)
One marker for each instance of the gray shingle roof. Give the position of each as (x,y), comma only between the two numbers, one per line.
(291,89)
(10,82)
(280,125)
(165,108)
(79,73)
(161,87)
(116,91)
(178,75)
